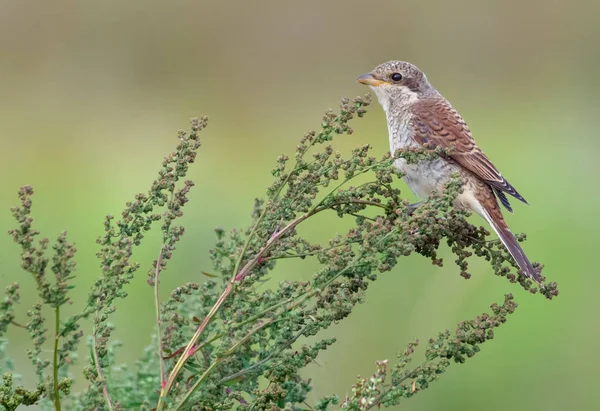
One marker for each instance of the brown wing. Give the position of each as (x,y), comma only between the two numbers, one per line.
(437,123)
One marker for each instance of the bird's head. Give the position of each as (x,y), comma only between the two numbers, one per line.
(396,82)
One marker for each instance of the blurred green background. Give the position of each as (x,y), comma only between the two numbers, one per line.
(92,94)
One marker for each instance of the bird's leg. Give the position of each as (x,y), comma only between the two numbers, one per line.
(412,207)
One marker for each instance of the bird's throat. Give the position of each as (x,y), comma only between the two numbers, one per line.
(383,97)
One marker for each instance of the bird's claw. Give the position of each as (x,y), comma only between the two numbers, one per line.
(410,209)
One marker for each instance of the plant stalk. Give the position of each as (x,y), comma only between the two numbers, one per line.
(157,307)
(100,376)
(229,352)
(55,360)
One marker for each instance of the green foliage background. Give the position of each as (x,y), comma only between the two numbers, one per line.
(93,93)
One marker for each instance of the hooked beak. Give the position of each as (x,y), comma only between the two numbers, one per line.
(370,80)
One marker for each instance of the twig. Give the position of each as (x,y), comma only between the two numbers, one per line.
(55,359)
(308,254)
(362,216)
(407,375)
(157,307)
(190,349)
(228,353)
(16,324)
(263,361)
(100,376)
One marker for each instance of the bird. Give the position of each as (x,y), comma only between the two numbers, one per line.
(418,116)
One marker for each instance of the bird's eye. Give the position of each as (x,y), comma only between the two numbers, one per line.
(396,76)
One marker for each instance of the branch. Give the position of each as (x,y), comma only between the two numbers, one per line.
(227,354)
(55,358)
(101,377)
(157,307)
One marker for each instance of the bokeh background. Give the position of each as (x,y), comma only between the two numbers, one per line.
(92,94)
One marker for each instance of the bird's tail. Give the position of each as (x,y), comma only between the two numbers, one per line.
(496,220)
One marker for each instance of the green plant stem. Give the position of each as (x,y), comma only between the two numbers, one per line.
(407,375)
(190,349)
(157,307)
(346,180)
(255,228)
(228,353)
(255,317)
(100,375)
(16,324)
(55,362)
(261,362)
(309,254)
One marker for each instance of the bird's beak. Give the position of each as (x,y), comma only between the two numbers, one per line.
(370,80)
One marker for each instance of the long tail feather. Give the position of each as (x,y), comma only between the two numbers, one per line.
(494,217)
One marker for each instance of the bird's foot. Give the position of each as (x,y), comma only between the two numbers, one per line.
(410,209)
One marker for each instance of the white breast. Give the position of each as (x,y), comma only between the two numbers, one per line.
(426,176)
